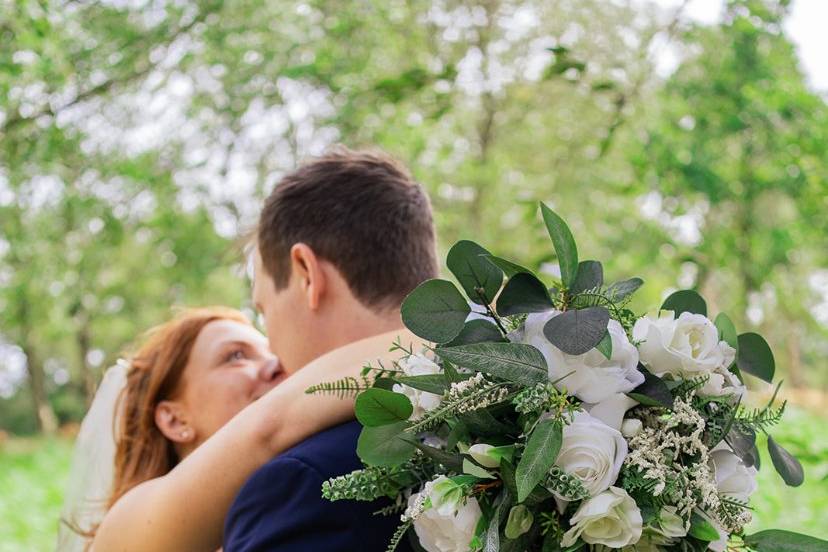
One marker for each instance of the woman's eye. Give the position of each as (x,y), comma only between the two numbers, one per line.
(235,355)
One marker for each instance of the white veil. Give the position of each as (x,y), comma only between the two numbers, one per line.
(93,463)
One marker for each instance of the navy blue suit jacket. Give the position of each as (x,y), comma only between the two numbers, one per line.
(281,507)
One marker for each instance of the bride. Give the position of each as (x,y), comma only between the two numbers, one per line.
(174,433)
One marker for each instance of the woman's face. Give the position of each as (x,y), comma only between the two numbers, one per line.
(230,366)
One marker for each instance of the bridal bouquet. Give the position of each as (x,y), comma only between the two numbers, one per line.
(559,420)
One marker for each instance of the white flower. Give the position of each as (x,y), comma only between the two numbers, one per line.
(719,545)
(723,382)
(592,378)
(480,453)
(449,524)
(611,410)
(670,523)
(591,451)
(423,401)
(733,478)
(685,347)
(631,427)
(610,518)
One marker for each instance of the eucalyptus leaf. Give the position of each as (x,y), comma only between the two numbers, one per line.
(481,280)
(508,267)
(786,464)
(702,529)
(743,443)
(564,244)
(435,311)
(577,331)
(727,330)
(777,540)
(477,331)
(605,346)
(541,451)
(621,290)
(377,407)
(653,392)
(523,293)
(431,383)
(755,357)
(590,275)
(513,362)
(685,300)
(384,445)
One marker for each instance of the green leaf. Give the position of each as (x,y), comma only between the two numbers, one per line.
(743,443)
(452,462)
(786,464)
(776,540)
(702,529)
(541,451)
(492,543)
(377,407)
(384,445)
(508,267)
(509,361)
(605,346)
(727,330)
(590,275)
(471,468)
(621,290)
(564,244)
(435,311)
(685,300)
(653,392)
(431,383)
(755,356)
(577,331)
(481,280)
(523,293)
(477,331)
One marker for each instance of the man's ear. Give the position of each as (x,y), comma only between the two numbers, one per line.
(305,266)
(171,421)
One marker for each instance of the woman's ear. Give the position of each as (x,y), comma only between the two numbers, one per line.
(171,421)
(307,269)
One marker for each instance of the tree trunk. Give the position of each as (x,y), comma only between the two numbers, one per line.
(84,345)
(45,416)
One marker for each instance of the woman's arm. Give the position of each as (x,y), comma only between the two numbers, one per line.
(185,509)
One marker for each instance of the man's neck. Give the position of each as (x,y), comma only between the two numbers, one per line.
(358,326)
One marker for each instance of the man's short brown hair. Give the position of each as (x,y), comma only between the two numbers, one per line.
(360,210)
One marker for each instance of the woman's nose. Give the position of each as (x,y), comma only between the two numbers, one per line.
(270,369)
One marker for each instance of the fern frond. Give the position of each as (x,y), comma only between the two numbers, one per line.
(759,419)
(346,387)
(456,405)
(398,536)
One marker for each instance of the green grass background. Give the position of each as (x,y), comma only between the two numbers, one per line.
(33,475)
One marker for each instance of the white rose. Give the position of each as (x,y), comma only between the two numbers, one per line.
(592,377)
(610,518)
(670,523)
(685,347)
(591,451)
(449,524)
(423,401)
(733,478)
(723,382)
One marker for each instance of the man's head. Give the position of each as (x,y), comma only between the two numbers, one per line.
(341,241)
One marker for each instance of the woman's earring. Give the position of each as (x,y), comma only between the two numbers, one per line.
(185,434)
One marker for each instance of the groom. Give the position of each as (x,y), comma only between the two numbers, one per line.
(341,241)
